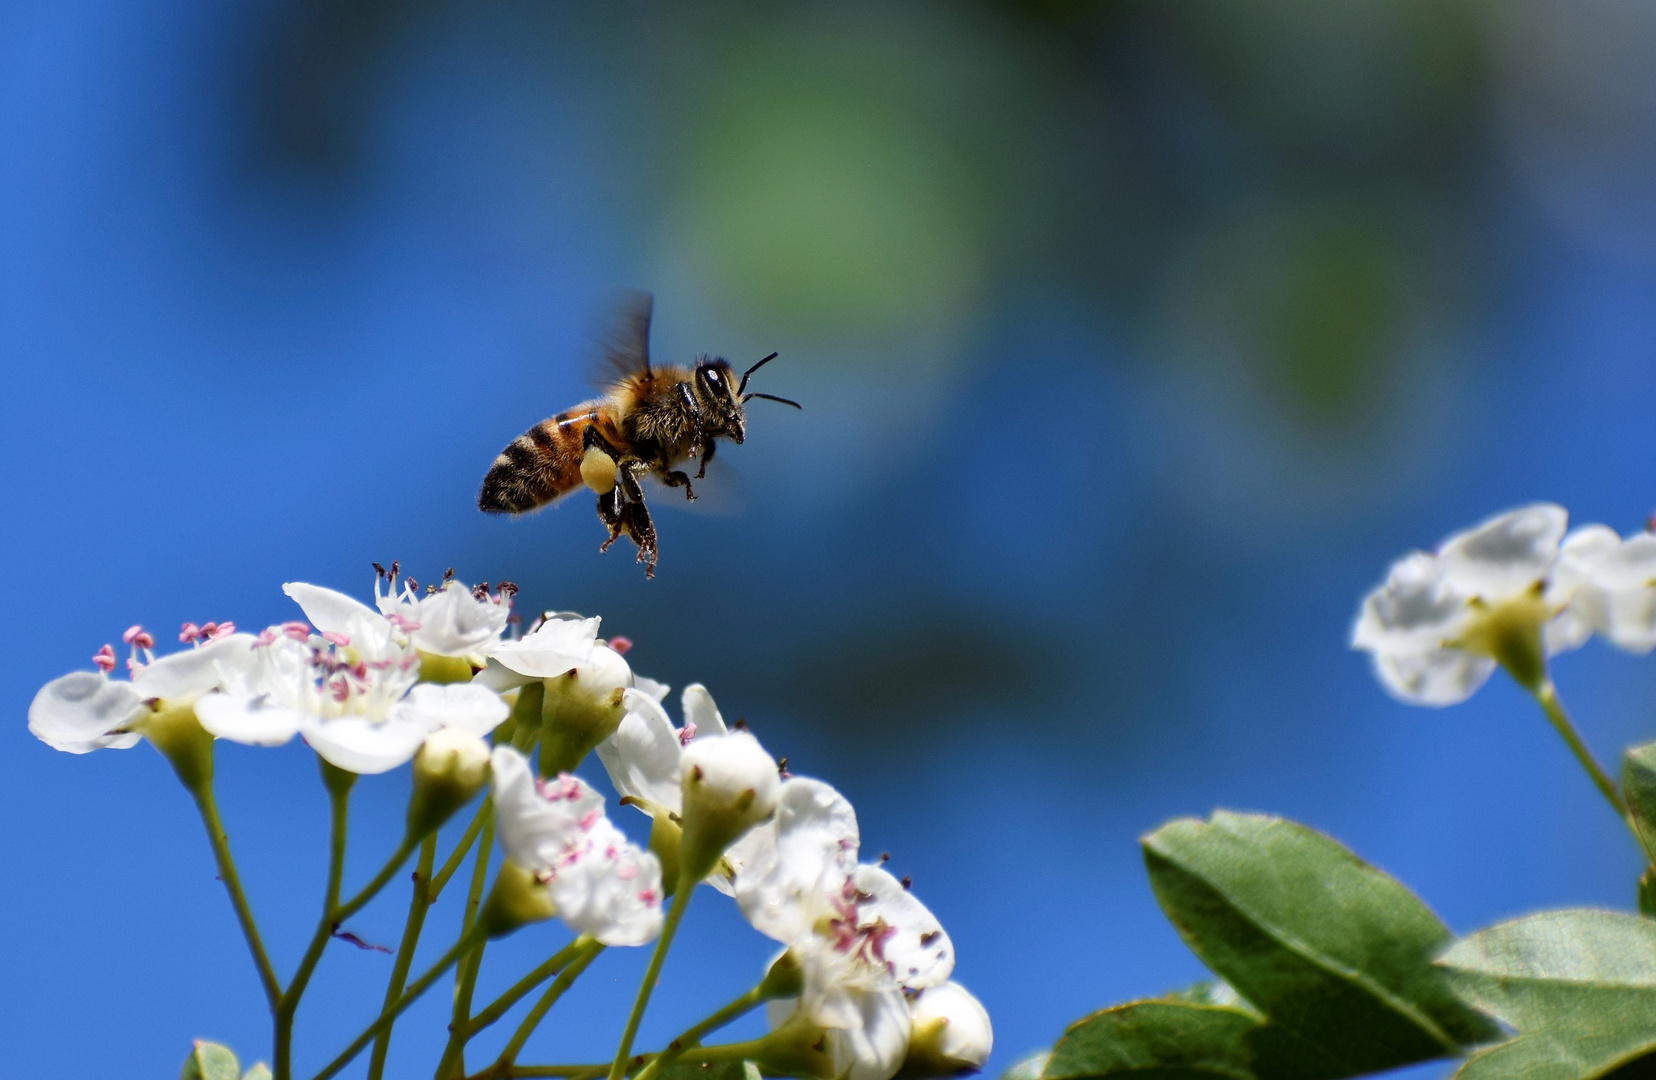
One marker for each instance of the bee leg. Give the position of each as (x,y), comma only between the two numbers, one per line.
(693,411)
(706,455)
(636,518)
(611,511)
(677,479)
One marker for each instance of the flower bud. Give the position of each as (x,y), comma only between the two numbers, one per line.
(581,708)
(951,1033)
(785,978)
(730,785)
(450,767)
(517,899)
(174,730)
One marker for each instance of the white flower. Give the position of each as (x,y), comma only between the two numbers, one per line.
(642,756)
(1438,624)
(872,1048)
(452,621)
(1612,585)
(855,929)
(729,785)
(952,1032)
(87,710)
(350,690)
(563,642)
(601,884)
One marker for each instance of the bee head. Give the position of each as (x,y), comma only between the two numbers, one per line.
(720,398)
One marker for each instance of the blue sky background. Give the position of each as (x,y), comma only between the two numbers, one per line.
(1134,339)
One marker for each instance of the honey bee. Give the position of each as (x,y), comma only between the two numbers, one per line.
(649,420)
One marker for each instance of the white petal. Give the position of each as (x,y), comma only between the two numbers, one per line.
(1616,591)
(606,888)
(918,951)
(252,719)
(642,756)
(657,690)
(474,708)
(801,858)
(357,744)
(876,1047)
(80,711)
(1506,554)
(455,623)
(561,643)
(1432,676)
(225,663)
(330,611)
(699,710)
(1413,609)
(539,824)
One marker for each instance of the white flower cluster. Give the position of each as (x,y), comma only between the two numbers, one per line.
(1510,591)
(372,689)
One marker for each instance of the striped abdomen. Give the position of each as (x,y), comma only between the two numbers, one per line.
(539,465)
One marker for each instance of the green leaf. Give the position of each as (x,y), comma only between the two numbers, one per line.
(713,1070)
(1639,789)
(1579,986)
(1330,949)
(1647,893)
(1177,1039)
(260,1071)
(210,1061)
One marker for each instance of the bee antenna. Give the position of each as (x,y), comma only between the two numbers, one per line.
(773,397)
(743,385)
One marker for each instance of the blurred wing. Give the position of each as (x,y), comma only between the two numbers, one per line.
(624,345)
(721,493)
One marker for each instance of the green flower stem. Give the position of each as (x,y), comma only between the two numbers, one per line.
(208,807)
(725,1052)
(681,900)
(1547,697)
(465,976)
(388,1016)
(692,1037)
(503,1065)
(579,949)
(418,905)
(281,1067)
(456,857)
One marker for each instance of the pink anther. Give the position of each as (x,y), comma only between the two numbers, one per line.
(590,818)
(189,633)
(104,658)
(208,629)
(266,636)
(223,629)
(406,625)
(648,896)
(687,732)
(336,638)
(297,631)
(627,872)
(620,644)
(136,636)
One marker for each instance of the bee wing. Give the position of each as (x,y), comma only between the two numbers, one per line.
(624,344)
(721,493)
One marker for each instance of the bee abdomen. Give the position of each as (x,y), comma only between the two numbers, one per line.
(537,466)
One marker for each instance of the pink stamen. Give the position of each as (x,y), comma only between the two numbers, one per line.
(136,636)
(620,644)
(687,732)
(407,626)
(296,631)
(627,872)
(189,633)
(224,629)
(104,658)
(590,818)
(208,629)
(266,636)
(334,636)
(648,896)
